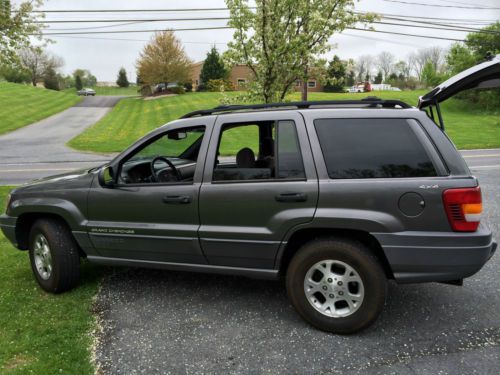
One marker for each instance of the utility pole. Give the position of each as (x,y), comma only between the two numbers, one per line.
(305,79)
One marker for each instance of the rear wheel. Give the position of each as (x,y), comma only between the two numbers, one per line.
(54,256)
(337,285)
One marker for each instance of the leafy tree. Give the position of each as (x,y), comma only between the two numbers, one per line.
(213,67)
(36,61)
(403,69)
(18,24)
(78,82)
(50,79)
(280,40)
(459,58)
(122,80)
(430,77)
(14,73)
(163,60)
(335,75)
(488,41)
(86,77)
(379,77)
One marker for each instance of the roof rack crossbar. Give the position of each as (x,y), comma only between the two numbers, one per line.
(372,102)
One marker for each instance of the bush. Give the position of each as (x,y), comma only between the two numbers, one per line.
(219,85)
(177,90)
(188,86)
(145,90)
(50,80)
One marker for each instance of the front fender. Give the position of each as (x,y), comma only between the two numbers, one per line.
(71,214)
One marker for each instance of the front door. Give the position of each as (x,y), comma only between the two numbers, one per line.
(259,182)
(151,213)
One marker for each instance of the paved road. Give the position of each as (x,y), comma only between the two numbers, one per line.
(39,150)
(172,322)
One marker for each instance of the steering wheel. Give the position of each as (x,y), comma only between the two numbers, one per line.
(169,163)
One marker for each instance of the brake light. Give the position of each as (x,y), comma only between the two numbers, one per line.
(463,207)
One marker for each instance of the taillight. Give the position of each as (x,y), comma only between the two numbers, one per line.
(463,207)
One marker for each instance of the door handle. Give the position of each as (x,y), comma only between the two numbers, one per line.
(291,197)
(177,199)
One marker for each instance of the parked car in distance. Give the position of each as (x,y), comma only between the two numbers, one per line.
(86,92)
(336,197)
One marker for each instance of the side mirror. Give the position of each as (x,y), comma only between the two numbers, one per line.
(106,177)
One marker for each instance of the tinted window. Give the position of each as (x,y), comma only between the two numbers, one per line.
(372,148)
(289,158)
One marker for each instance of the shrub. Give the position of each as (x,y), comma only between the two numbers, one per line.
(177,90)
(188,86)
(219,85)
(145,90)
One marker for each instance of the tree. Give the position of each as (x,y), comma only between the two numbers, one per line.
(17,25)
(213,67)
(50,79)
(363,67)
(385,63)
(36,61)
(487,41)
(335,75)
(430,76)
(402,69)
(122,80)
(86,77)
(434,55)
(280,40)
(78,82)
(163,60)
(15,73)
(379,77)
(459,58)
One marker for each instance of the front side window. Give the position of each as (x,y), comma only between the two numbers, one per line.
(170,158)
(311,84)
(372,148)
(258,151)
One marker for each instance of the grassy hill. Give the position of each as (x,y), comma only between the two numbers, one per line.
(134,117)
(21,105)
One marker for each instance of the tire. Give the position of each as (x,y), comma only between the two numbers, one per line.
(58,269)
(332,312)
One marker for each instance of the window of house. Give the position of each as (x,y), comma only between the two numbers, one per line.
(311,84)
(372,148)
(248,152)
(241,81)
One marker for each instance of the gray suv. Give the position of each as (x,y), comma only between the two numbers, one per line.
(337,197)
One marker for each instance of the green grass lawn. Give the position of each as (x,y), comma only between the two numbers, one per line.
(134,117)
(42,333)
(120,91)
(22,105)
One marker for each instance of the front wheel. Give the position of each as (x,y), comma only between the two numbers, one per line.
(337,285)
(54,256)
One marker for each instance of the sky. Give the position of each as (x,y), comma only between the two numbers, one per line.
(104,57)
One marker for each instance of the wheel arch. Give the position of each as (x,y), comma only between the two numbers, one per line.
(304,235)
(25,222)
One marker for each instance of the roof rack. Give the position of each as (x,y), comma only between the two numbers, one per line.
(370,102)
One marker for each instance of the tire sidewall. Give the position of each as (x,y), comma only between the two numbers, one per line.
(50,284)
(372,276)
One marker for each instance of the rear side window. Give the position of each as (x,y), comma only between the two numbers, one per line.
(372,148)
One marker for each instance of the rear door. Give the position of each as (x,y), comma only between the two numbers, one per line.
(259,182)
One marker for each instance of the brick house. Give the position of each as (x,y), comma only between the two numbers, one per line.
(241,74)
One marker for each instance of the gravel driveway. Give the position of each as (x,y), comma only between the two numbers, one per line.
(169,322)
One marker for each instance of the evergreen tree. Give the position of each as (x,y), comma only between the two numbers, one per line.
(335,75)
(78,82)
(122,80)
(213,67)
(379,77)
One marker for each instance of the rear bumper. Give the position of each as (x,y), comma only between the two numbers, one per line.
(436,256)
(8,227)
